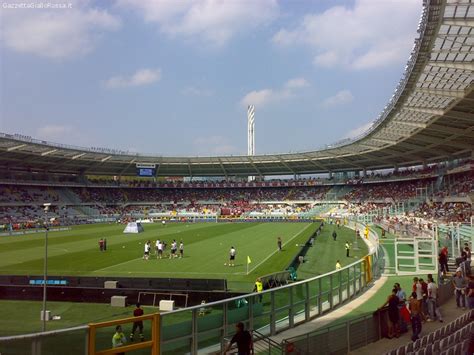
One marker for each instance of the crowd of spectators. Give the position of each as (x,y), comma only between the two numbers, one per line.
(449,204)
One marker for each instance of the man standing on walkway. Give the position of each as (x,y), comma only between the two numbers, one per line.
(459,284)
(415,310)
(433,308)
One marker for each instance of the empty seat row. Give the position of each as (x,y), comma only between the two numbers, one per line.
(448,338)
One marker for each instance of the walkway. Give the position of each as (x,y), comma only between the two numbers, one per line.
(449,311)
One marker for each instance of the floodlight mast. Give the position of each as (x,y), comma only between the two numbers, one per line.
(251,133)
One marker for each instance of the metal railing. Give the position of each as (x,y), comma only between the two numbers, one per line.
(268,312)
(65,341)
(261,345)
(351,334)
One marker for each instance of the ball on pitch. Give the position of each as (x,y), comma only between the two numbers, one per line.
(123,246)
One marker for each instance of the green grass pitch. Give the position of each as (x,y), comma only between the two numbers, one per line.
(207,245)
(76,252)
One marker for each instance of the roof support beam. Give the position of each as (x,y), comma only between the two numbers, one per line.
(452,130)
(437,142)
(315,162)
(78,156)
(286,165)
(127,166)
(469,22)
(48,152)
(452,64)
(428,110)
(222,167)
(255,167)
(386,141)
(189,169)
(16,147)
(462,116)
(348,162)
(459,94)
(411,124)
(103,160)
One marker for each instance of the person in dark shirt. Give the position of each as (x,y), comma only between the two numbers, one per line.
(137,312)
(470,292)
(243,339)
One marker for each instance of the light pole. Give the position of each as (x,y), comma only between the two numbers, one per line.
(45,264)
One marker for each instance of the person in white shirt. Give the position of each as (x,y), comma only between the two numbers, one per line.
(174,247)
(156,247)
(181,250)
(433,307)
(146,254)
(160,250)
(232,253)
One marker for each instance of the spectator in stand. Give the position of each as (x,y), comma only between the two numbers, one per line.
(424,303)
(415,310)
(433,307)
(402,297)
(418,290)
(443,261)
(459,284)
(393,314)
(470,292)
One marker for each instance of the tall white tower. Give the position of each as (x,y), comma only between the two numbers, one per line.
(251,130)
(251,133)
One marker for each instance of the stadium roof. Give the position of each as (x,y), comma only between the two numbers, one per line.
(430,118)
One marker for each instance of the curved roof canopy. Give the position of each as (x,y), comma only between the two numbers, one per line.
(429,118)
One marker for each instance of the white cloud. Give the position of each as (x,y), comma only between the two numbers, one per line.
(343,97)
(54,132)
(214,21)
(139,78)
(358,131)
(193,91)
(260,98)
(296,83)
(55,33)
(367,35)
(214,145)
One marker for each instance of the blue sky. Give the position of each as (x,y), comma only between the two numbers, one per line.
(174,77)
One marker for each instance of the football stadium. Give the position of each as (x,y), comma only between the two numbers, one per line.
(357,247)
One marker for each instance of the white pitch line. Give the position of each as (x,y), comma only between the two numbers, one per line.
(276,251)
(112,266)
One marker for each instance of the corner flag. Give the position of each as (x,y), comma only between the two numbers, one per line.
(248,260)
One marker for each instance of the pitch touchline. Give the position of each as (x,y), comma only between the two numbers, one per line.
(269,256)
